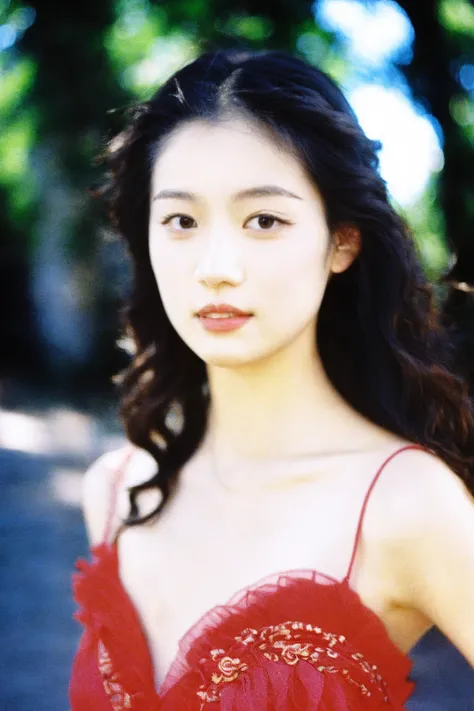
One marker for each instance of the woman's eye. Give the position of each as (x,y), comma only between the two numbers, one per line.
(182,222)
(266,221)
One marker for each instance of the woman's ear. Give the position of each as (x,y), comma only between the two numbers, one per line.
(347,244)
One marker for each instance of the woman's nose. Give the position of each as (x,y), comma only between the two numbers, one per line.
(220,262)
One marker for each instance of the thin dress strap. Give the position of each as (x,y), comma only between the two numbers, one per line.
(366,500)
(118,475)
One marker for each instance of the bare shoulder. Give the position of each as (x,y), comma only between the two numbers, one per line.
(99,482)
(414,489)
(416,502)
(425,521)
(97,490)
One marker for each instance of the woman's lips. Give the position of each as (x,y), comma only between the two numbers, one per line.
(224,323)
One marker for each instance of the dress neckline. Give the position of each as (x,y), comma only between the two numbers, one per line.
(104,570)
(105,549)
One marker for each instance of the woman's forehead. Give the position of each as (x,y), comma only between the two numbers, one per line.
(200,135)
(231,153)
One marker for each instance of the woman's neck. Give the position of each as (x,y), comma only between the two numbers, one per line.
(281,409)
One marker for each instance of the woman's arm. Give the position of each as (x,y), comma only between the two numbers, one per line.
(434,551)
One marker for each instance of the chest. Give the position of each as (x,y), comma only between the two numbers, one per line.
(204,549)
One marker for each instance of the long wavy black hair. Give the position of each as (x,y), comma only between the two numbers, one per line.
(379,334)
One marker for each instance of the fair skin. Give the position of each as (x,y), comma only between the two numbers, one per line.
(285,459)
(270,365)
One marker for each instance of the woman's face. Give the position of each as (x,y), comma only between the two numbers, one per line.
(248,229)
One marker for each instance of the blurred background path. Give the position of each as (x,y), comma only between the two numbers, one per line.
(44,451)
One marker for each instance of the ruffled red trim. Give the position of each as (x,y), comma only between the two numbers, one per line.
(258,683)
(110,618)
(308,597)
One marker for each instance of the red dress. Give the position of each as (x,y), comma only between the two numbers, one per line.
(296,640)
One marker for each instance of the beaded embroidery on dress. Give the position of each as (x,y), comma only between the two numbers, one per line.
(297,640)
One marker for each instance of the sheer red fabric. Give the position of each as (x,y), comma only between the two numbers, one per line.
(296,640)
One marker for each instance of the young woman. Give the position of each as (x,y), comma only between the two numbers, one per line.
(294,509)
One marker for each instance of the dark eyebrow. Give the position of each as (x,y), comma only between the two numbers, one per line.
(260,191)
(264,191)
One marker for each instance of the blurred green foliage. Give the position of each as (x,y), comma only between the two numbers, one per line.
(426,221)
(457,16)
(69,72)
(18,123)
